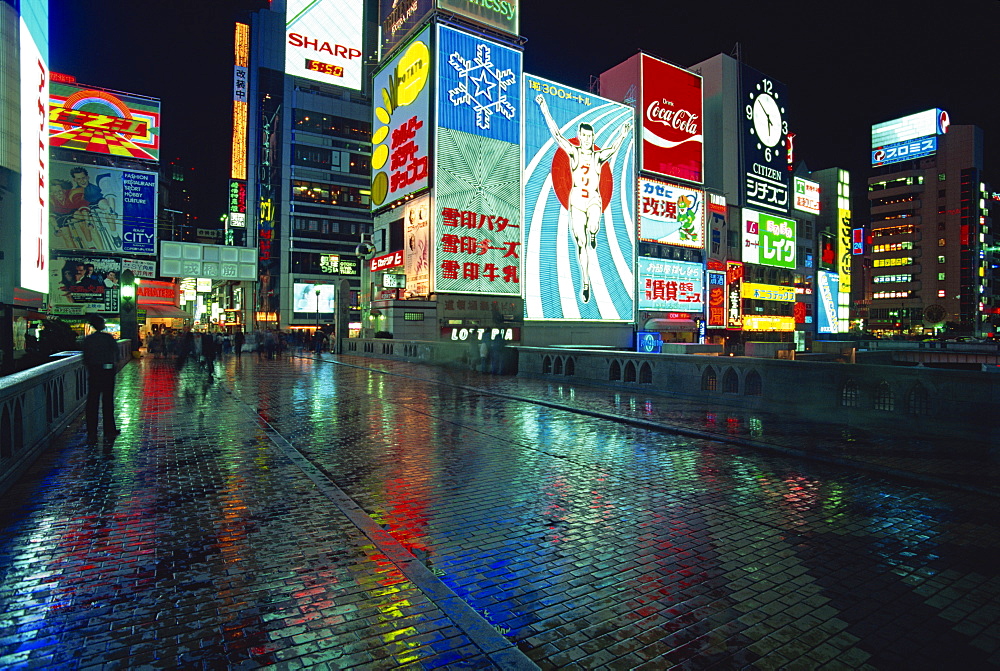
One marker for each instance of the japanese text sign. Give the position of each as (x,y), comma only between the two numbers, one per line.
(671,285)
(768,240)
(671,214)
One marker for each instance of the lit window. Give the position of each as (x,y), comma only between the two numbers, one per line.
(941,242)
(940,277)
(940,259)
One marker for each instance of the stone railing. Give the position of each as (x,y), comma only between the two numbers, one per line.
(38,403)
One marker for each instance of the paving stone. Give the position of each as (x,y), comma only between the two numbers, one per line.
(278,513)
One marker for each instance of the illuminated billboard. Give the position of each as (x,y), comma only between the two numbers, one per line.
(401,125)
(417,241)
(828,286)
(716,299)
(909,137)
(671,109)
(104,122)
(671,214)
(501,14)
(314,298)
(764,121)
(579,235)
(87,283)
(477,209)
(99,208)
(33,28)
(734,295)
(671,285)
(768,292)
(768,240)
(806,195)
(922,124)
(241,54)
(398,18)
(324,41)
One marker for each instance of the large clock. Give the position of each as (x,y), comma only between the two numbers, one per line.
(766,113)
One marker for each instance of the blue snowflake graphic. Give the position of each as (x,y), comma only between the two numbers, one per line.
(477,80)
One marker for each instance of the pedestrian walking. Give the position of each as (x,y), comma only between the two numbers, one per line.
(239,340)
(100,354)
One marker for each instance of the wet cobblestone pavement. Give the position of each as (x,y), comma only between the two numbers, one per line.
(352,513)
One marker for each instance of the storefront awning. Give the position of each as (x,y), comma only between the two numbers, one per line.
(670,325)
(157,311)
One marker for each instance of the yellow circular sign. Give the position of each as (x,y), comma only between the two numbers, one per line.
(412,73)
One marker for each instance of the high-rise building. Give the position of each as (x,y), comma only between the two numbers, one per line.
(308,147)
(928,256)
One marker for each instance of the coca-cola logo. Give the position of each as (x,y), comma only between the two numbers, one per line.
(680,119)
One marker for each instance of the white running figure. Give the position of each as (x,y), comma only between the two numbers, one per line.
(585,205)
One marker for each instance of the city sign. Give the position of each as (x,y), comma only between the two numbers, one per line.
(829,288)
(33,27)
(765,142)
(672,121)
(417,242)
(768,240)
(500,14)
(716,299)
(922,124)
(671,214)
(768,323)
(806,195)
(734,297)
(385,261)
(477,166)
(104,209)
(671,285)
(578,167)
(768,292)
(324,41)
(858,241)
(96,120)
(400,160)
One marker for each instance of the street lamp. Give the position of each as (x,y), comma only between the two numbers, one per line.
(317,310)
(128,316)
(364,250)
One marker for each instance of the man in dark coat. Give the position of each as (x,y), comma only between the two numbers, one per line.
(100,354)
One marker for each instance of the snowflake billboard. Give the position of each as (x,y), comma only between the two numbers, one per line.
(477,167)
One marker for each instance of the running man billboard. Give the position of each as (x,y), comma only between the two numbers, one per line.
(579,237)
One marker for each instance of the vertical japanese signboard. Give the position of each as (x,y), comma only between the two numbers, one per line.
(33,27)
(672,141)
(401,137)
(734,295)
(579,222)
(716,299)
(671,214)
(765,141)
(768,240)
(828,286)
(477,218)
(671,285)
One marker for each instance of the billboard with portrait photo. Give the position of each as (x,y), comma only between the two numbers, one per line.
(579,226)
(417,239)
(102,209)
(91,283)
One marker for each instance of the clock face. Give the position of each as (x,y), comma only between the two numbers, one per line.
(767,120)
(766,116)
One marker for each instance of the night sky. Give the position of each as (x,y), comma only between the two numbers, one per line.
(854,64)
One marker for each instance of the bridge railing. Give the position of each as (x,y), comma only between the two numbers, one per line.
(37,404)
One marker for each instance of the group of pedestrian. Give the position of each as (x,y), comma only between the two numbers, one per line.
(486,355)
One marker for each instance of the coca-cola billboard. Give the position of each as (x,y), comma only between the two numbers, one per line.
(672,121)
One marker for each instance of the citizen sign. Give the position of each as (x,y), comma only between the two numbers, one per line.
(386,261)
(681,119)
